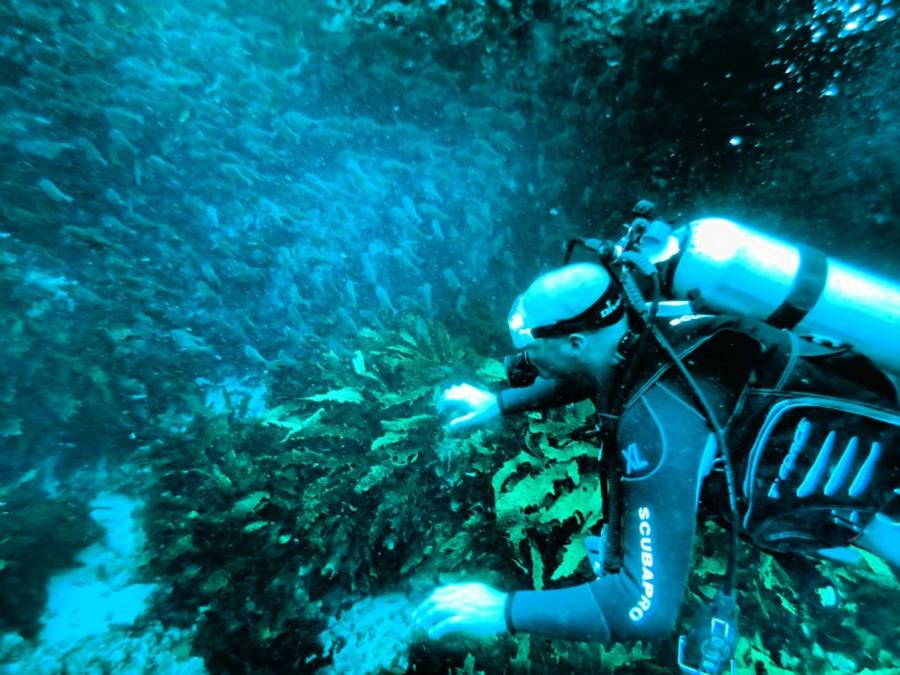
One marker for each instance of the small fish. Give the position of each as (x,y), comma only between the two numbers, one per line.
(299,121)
(422,334)
(120,141)
(401,218)
(117,116)
(135,68)
(203,290)
(212,216)
(431,191)
(426,295)
(373,319)
(359,363)
(55,286)
(347,319)
(160,163)
(31,475)
(237,172)
(409,207)
(254,355)
(215,86)
(113,197)
(369,269)
(282,128)
(49,188)
(41,148)
(402,257)
(295,297)
(436,230)
(292,334)
(384,299)
(90,150)
(209,274)
(451,278)
(351,292)
(113,223)
(354,168)
(187,342)
(97,12)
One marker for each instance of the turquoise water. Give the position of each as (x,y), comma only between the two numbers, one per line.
(244,244)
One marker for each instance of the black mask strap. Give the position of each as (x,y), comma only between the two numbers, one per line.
(608,309)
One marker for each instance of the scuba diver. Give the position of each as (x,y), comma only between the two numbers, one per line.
(730,405)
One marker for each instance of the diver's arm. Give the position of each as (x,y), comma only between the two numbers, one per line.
(639,602)
(564,613)
(642,600)
(544,393)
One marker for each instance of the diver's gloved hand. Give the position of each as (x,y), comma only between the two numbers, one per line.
(468,406)
(471,608)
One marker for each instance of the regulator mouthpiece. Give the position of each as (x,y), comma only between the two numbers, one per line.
(520,371)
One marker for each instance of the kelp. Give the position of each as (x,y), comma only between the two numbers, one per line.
(309,497)
(220,523)
(549,490)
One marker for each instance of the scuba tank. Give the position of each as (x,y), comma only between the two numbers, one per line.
(725,267)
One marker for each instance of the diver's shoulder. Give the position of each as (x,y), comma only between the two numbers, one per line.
(737,329)
(699,324)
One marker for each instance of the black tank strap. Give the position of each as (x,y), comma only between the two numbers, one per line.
(806,290)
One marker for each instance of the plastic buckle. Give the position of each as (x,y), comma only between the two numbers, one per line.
(707,667)
(711,642)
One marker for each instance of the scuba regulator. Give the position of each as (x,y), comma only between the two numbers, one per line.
(520,371)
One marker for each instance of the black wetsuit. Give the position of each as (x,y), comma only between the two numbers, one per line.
(831,468)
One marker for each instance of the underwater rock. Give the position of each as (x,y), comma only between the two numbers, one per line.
(370,637)
(88,624)
(41,536)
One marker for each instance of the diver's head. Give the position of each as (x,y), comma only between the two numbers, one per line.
(569,322)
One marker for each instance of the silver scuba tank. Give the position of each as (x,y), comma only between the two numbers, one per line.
(736,269)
